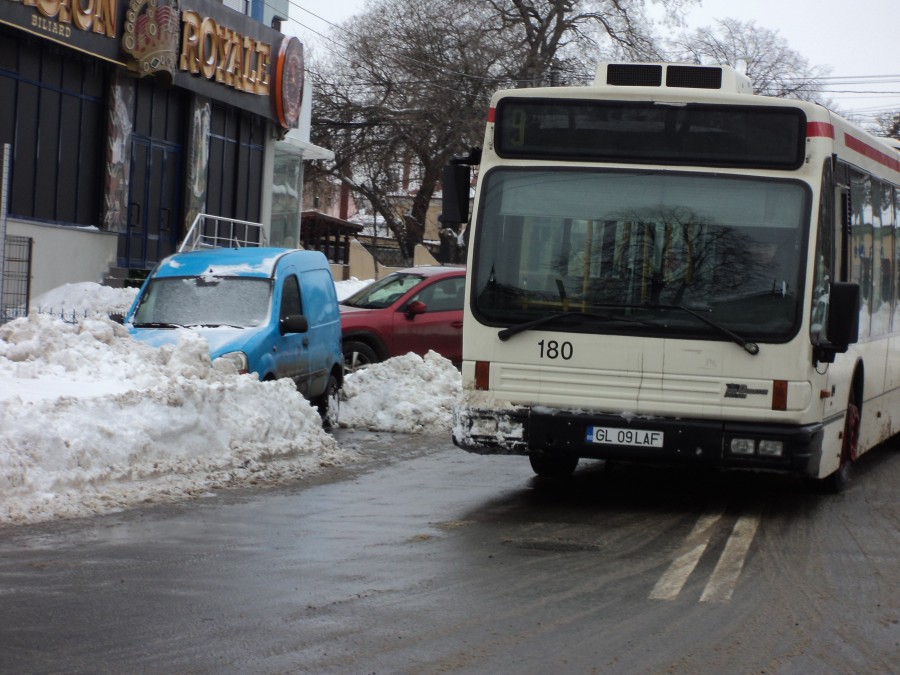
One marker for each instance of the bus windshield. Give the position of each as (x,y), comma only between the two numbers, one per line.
(642,246)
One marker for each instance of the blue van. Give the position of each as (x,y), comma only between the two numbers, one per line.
(269,311)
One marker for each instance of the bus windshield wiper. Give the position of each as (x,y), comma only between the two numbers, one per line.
(749,347)
(507,333)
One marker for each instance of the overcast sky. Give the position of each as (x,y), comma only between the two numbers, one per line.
(854,40)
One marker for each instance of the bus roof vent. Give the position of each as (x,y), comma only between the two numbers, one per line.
(633,74)
(672,76)
(698,77)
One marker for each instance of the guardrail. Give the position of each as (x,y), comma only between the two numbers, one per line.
(208,231)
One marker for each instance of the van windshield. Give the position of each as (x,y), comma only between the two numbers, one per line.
(205,301)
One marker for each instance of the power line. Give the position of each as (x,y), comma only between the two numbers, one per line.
(329,42)
(889,78)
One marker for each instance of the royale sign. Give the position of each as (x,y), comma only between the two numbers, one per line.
(218,52)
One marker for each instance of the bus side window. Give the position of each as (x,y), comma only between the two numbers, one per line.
(824,262)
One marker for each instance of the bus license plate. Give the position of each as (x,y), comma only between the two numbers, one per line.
(642,438)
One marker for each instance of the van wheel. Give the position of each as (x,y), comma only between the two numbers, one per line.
(329,403)
(553,467)
(357,355)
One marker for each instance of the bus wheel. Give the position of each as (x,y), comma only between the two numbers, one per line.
(553,467)
(839,480)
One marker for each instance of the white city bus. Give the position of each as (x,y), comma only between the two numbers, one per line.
(665,267)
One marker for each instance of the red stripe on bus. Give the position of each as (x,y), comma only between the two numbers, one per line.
(819,129)
(492,115)
(867,150)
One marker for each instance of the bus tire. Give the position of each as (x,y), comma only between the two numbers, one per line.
(550,466)
(838,481)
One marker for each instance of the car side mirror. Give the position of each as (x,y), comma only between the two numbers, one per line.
(415,307)
(117,317)
(293,323)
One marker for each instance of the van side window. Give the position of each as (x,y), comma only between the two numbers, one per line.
(290,297)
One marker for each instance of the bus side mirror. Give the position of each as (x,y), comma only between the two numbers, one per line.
(455,180)
(843,314)
(843,321)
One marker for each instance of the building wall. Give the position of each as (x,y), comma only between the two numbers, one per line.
(363,266)
(63,255)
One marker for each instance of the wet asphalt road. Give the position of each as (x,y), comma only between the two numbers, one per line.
(429,560)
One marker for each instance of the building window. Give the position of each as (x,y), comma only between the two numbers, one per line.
(236,159)
(53,114)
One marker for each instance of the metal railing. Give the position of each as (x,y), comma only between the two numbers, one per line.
(75,316)
(16,276)
(209,231)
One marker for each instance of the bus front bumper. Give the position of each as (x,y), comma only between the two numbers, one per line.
(724,444)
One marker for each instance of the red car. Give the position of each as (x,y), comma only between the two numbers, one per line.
(411,310)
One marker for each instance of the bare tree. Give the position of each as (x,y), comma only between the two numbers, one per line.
(550,41)
(772,66)
(888,125)
(407,83)
(406,88)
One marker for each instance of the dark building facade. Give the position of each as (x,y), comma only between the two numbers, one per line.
(125,120)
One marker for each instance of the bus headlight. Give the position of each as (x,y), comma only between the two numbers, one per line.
(771,448)
(743,446)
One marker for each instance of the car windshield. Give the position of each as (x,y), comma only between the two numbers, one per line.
(383,292)
(205,301)
(644,246)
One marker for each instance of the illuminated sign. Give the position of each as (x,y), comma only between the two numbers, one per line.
(58,17)
(218,52)
(289,83)
(151,36)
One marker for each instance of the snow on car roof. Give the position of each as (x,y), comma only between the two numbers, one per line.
(431,270)
(222,262)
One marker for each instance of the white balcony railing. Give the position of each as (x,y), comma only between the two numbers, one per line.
(217,232)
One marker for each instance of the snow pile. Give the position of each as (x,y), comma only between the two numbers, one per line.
(93,421)
(85,297)
(109,422)
(406,394)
